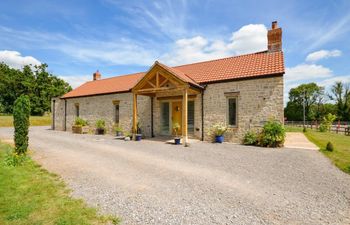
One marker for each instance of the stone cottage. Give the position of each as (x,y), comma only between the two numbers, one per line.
(242,92)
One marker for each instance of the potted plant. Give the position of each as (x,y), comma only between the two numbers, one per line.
(177,139)
(138,135)
(118,130)
(219,130)
(80,126)
(127,136)
(100,127)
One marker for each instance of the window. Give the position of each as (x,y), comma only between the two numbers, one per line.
(190,117)
(116,113)
(232,112)
(164,110)
(76,109)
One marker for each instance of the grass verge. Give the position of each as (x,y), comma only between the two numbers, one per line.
(293,129)
(31,195)
(7,121)
(341,154)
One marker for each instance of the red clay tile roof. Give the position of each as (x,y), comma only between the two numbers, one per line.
(106,86)
(244,66)
(181,75)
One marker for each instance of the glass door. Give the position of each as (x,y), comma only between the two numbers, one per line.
(164,118)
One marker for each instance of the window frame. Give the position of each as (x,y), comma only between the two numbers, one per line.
(77,109)
(228,111)
(116,103)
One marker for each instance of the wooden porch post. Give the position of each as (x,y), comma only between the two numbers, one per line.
(134,113)
(184,116)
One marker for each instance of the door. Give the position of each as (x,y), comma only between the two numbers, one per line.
(176,116)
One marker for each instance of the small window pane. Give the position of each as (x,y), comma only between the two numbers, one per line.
(232,111)
(77,110)
(116,117)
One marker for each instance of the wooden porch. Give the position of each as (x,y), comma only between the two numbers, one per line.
(166,81)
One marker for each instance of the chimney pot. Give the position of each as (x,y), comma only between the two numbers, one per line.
(97,75)
(274,38)
(274,25)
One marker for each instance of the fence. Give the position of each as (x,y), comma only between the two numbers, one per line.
(342,127)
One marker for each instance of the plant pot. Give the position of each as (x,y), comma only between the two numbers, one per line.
(77,129)
(138,137)
(219,139)
(100,131)
(119,133)
(177,141)
(85,129)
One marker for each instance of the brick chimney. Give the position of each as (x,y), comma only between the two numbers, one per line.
(96,75)
(274,38)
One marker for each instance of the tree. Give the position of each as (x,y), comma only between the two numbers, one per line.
(21,112)
(309,93)
(35,82)
(340,93)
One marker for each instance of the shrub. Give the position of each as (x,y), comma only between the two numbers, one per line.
(14,159)
(330,147)
(118,128)
(219,129)
(138,127)
(327,122)
(304,129)
(250,138)
(272,135)
(176,127)
(100,124)
(21,112)
(80,122)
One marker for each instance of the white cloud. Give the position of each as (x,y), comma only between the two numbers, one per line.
(330,81)
(122,52)
(325,34)
(322,54)
(248,39)
(159,18)
(76,80)
(15,60)
(307,72)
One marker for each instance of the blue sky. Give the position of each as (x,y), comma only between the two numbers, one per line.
(75,38)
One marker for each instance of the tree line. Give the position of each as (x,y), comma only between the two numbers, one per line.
(318,103)
(35,82)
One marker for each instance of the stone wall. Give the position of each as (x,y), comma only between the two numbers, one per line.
(102,107)
(258,101)
(57,109)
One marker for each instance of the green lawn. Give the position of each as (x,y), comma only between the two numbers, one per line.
(31,195)
(7,121)
(340,156)
(293,129)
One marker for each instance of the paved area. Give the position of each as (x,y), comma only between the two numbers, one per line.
(298,140)
(149,182)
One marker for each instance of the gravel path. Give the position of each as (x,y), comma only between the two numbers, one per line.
(150,182)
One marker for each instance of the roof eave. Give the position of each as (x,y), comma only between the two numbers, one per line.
(244,78)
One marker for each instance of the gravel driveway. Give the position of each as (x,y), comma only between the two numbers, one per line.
(150,182)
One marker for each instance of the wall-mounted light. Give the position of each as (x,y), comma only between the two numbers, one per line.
(177,108)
